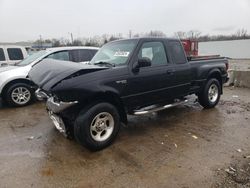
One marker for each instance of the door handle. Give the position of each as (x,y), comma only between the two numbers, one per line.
(170,72)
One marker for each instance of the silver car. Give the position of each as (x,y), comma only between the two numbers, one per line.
(17,90)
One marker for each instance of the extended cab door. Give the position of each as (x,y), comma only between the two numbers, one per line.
(151,84)
(181,68)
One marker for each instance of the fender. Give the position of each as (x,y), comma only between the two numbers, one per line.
(214,71)
(18,80)
(16,73)
(110,95)
(12,80)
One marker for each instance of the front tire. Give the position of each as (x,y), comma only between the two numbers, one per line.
(19,94)
(97,126)
(210,95)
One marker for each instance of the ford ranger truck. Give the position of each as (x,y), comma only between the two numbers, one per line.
(133,76)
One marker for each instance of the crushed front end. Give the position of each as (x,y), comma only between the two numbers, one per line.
(56,110)
(64,86)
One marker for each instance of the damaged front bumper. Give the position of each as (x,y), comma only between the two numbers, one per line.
(54,108)
(58,123)
(41,95)
(57,107)
(53,105)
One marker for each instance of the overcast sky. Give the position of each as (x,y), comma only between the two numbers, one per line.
(22,20)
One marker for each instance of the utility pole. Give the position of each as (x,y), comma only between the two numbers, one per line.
(72,39)
(130,34)
(41,43)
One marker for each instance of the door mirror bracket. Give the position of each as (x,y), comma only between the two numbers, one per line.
(142,62)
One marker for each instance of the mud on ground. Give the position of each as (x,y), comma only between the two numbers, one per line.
(185,146)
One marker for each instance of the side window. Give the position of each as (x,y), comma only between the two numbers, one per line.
(177,52)
(155,51)
(92,53)
(2,57)
(15,53)
(82,55)
(63,55)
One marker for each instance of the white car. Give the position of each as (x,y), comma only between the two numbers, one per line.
(12,54)
(17,90)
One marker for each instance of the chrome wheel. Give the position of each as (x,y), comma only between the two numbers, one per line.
(21,95)
(102,126)
(213,93)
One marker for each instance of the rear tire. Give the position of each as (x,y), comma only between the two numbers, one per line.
(210,95)
(97,126)
(19,94)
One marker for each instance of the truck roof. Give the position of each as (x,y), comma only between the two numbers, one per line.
(149,38)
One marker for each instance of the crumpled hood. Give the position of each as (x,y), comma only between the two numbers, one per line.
(49,72)
(7,68)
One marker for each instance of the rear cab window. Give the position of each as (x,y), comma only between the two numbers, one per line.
(15,53)
(2,56)
(177,52)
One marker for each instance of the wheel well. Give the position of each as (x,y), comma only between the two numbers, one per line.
(114,100)
(217,76)
(5,88)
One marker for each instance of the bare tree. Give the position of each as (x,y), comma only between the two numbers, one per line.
(241,33)
(64,42)
(181,34)
(137,35)
(105,38)
(55,43)
(193,34)
(77,42)
(99,40)
(155,33)
(47,41)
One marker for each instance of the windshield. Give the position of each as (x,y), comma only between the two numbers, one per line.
(116,53)
(31,58)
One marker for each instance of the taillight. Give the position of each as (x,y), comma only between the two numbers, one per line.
(227,66)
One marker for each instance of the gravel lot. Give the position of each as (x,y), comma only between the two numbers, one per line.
(185,146)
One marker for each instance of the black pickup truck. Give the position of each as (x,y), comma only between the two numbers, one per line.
(134,76)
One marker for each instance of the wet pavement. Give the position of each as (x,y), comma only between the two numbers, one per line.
(185,146)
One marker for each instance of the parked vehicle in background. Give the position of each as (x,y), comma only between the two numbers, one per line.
(15,87)
(190,47)
(134,76)
(192,51)
(9,55)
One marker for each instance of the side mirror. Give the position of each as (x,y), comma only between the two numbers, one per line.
(144,62)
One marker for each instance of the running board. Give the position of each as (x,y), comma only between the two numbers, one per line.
(154,108)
